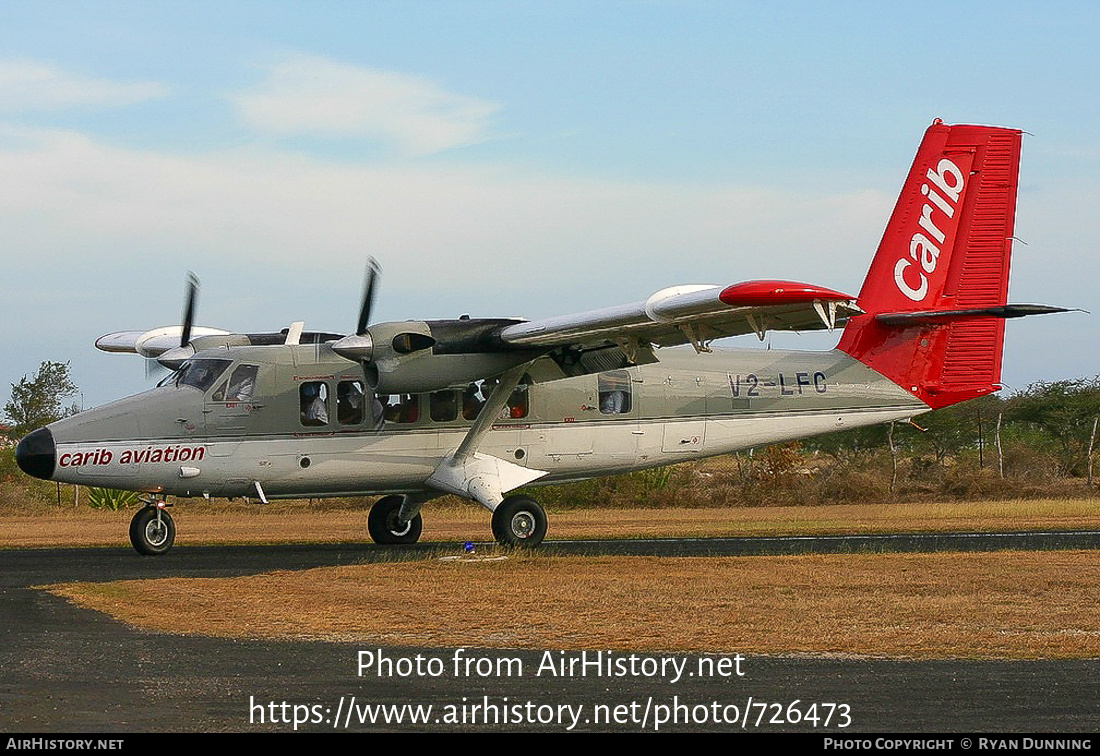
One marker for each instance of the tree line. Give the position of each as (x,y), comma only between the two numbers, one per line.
(40,400)
(1053,420)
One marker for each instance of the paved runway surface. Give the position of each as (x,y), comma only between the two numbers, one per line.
(67,669)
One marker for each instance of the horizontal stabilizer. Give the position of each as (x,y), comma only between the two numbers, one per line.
(934,317)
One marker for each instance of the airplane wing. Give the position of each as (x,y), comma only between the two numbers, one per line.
(151,343)
(693,315)
(415,356)
(155,343)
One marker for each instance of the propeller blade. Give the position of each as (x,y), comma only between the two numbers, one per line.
(373,271)
(189,308)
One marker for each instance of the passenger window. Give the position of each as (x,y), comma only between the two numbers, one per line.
(349,402)
(400,408)
(473,399)
(313,400)
(518,401)
(475,395)
(614,388)
(443,406)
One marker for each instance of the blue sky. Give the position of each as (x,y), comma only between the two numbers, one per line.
(520,158)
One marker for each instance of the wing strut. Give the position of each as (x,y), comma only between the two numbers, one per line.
(827,312)
(481,477)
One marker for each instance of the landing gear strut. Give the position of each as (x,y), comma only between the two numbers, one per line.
(152,531)
(385,525)
(519,521)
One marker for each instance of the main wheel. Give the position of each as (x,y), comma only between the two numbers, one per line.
(152,535)
(384,526)
(519,521)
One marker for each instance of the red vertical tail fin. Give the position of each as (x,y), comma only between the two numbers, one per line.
(935,295)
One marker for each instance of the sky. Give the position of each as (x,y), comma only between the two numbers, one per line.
(523,159)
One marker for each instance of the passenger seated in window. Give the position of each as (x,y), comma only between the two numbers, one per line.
(472,402)
(443,406)
(243,384)
(402,408)
(614,390)
(613,402)
(517,402)
(314,406)
(349,402)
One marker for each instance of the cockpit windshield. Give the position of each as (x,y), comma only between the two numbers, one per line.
(200,374)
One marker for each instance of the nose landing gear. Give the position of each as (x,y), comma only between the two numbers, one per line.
(152,531)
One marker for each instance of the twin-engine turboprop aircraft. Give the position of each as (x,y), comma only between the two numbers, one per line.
(482,407)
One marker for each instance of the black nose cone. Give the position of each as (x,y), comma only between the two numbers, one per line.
(36,454)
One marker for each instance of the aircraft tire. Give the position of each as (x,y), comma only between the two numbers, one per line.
(382,523)
(519,522)
(149,537)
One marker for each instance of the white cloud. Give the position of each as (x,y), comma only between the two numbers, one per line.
(32,86)
(316,96)
(436,228)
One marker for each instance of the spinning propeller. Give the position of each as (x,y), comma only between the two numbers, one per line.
(189,308)
(385,342)
(373,271)
(175,357)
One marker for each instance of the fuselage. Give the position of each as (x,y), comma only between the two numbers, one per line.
(297,421)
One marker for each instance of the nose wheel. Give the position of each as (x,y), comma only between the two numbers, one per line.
(519,521)
(152,531)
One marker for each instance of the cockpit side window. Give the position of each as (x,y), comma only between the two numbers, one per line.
(240,387)
(200,374)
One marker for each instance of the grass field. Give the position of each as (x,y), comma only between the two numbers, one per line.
(333,522)
(989,605)
(1003,605)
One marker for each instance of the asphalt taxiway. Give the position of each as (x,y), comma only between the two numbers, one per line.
(65,669)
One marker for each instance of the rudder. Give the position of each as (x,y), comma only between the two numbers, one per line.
(935,296)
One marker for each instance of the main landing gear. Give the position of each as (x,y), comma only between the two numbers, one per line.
(152,531)
(518,522)
(385,525)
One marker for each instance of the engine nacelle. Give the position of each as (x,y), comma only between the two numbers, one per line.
(415,356)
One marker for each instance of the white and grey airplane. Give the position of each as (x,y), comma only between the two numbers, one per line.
(481,407)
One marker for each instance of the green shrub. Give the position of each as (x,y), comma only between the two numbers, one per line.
(109,498)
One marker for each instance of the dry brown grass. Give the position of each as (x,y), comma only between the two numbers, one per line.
(1008,604)
(223,523)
